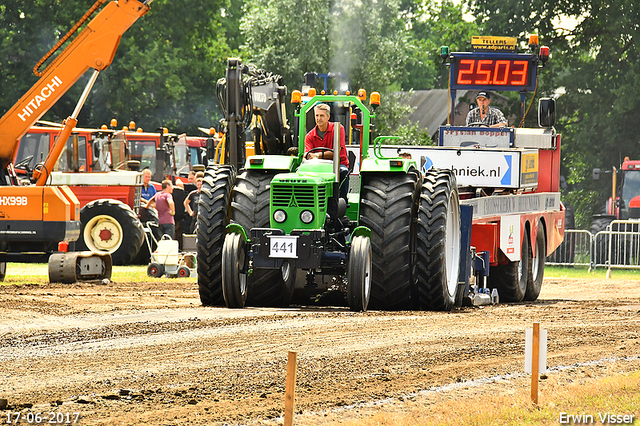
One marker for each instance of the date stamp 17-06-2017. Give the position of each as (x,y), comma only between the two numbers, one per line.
(44,418)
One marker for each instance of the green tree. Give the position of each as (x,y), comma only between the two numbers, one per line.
(596,67)
(163,73)
(367,41)
(434,24)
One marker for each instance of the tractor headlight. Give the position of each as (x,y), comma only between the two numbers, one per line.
(280,216)
(306,217)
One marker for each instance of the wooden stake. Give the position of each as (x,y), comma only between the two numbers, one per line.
(290,390)
(535,358)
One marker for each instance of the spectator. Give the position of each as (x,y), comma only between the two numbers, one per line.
(163,202)
(148,190)
(191,205)
(179,195)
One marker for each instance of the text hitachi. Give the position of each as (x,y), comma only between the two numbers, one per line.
(37,100)
(478,172)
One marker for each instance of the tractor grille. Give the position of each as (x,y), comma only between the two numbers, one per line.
(298,196)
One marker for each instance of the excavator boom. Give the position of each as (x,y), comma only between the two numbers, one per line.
(94,47)
(35,219)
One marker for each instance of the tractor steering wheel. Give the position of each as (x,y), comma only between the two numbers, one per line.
(477,124)
(318,149)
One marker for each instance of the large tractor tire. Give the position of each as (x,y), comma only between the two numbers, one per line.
(438,242)
(511,278)
(213,217)
(536,268)
(388,207)
(250,208)
(110,226)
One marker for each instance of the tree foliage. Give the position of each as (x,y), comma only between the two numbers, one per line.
(163,73)
(596,65)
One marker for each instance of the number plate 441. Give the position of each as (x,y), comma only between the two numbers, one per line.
(283,246)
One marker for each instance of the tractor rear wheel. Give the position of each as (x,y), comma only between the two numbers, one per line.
(110,226)
(511,279)
(213,214)
(250,208)
(359,274)
(536,268)
(438,242)
(234,280)
(387,208)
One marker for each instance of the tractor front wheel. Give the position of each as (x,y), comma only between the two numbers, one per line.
(234,276)
(359,274)
(250,209)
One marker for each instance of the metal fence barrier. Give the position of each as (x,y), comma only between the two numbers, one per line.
(616,247)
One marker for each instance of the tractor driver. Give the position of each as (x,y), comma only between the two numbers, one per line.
(321,136)
(484,115)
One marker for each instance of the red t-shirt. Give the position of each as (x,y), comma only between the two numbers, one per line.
(313,140)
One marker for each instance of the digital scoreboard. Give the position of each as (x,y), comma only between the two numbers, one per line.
(493,71)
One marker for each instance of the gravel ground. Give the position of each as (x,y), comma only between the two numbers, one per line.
(149,353)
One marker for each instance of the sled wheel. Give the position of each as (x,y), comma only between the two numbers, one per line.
(536,273)
(359,274)
(511,279)
(234,280)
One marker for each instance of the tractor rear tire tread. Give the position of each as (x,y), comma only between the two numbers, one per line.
(388,208)
(250,202)
(437,266)
(212,219)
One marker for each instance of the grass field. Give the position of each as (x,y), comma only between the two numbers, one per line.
(617,395)
(38,273)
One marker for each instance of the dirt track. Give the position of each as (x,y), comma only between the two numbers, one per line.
(149,353)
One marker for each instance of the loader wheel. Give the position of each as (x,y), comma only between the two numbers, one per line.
(110,226)
(359,274)
(234,281)
(387,208)
(250,209)
(155,270)
(511,279)
(536,268)
(213,217)
(438,242)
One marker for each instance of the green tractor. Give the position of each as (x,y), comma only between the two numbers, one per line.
(393,244)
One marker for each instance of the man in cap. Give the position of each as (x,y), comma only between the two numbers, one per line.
(484,115)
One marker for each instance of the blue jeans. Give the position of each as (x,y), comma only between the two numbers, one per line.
(169,229)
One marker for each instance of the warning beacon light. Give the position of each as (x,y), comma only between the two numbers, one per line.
(544,54)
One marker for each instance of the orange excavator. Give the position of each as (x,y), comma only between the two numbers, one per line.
(37,221)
